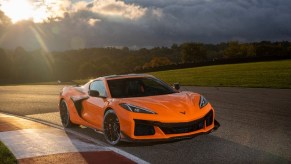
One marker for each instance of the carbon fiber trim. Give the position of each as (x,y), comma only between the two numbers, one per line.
(77,100)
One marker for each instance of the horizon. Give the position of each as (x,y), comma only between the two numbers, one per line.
(134,48)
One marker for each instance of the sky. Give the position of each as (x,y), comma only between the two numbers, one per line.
(75,24)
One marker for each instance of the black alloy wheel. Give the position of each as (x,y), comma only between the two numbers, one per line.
(65,116)
(111,128)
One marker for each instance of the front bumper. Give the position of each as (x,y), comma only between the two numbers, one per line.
(185,136)
(155,131)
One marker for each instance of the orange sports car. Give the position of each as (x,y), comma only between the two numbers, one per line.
(136,107)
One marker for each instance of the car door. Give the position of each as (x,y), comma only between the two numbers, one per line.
(95,106)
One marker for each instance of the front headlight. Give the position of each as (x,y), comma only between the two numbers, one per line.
(203,102)
(136,109)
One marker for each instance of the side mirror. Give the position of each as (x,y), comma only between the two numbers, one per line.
(94,93)
(176,86)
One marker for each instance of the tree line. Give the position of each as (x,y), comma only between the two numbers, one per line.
(20,65)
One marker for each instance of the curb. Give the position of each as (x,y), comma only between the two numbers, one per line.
(79,135)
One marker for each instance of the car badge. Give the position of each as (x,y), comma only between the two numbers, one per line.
(183,112)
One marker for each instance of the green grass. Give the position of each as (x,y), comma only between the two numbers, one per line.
(273,74)
(6,157)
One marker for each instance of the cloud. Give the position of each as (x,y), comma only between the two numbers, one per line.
(117,8)
(144,23)
(222,20)
(4,20)
(111,8)
(93,21)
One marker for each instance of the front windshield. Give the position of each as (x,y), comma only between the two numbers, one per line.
(138,87)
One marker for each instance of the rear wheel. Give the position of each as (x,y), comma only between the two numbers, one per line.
(65,115)
(111,128)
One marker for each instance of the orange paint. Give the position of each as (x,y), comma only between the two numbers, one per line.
(176,115)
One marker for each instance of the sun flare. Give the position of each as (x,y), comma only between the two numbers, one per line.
(19,10)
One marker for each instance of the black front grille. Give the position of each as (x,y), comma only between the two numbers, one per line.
(141,129)
(183,129)
(177,128)
(189,126)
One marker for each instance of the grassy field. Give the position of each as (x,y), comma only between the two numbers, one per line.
(274,74)
(5,155)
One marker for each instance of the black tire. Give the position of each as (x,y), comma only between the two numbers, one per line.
(111,128)
(65,115)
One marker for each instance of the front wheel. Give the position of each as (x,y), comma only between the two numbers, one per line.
(111,128)
(65,115)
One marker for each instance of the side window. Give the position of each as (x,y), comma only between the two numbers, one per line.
(98,86)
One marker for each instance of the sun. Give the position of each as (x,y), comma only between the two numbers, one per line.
(19,10)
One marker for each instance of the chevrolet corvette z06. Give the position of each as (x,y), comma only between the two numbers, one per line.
(136,107)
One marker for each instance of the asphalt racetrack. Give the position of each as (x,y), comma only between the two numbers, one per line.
(255,125)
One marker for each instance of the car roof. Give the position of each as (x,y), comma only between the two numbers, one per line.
(110,77)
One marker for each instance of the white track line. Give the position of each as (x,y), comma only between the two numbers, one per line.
(106,146)
(29,143)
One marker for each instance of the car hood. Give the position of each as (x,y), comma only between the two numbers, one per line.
(182,103)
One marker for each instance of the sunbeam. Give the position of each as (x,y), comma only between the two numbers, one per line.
(47,55)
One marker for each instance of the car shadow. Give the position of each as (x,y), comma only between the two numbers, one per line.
(150,143)
(203,148)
